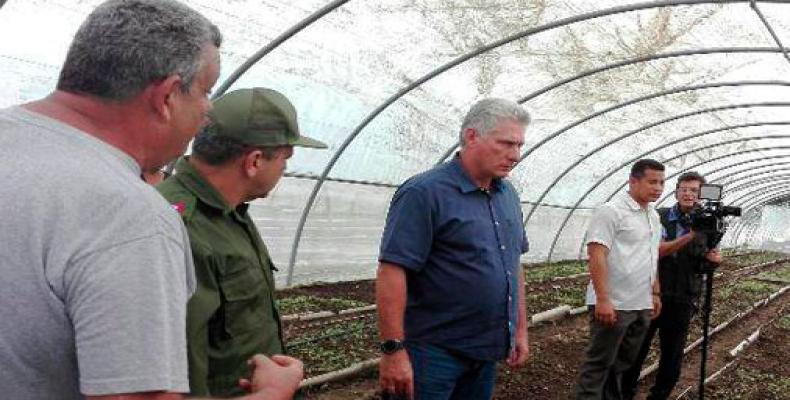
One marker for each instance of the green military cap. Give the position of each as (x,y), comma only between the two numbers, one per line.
(258,117)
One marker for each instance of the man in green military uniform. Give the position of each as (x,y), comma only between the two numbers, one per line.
(238,157)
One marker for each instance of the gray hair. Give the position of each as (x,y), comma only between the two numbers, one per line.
(218,150)
(486,114)
(125,45)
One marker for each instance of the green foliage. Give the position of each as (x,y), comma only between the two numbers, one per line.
(781,274)
(544,272)
(784,322)
(755,258)
(750,288)
(753,384)
(302,304)
(572,296)
(337,346)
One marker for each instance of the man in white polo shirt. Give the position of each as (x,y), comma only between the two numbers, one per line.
(623,294)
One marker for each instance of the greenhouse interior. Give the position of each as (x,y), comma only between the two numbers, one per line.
(696,85)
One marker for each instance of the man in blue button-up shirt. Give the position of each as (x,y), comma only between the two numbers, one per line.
(450,289)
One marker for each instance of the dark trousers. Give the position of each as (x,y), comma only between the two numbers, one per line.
(441,375)
(611,352)
(672,326)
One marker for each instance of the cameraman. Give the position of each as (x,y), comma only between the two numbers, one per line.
(681,256)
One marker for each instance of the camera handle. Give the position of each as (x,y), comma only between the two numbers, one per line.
(707,307)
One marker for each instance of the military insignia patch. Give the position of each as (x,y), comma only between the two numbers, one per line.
(180,207)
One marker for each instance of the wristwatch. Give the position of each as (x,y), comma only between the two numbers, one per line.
(391,346)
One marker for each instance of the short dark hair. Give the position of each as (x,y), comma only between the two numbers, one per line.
(688,177)
(639,167)
(218,150)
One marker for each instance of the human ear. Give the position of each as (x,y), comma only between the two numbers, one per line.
(163,94)
(470,135)
(251,163)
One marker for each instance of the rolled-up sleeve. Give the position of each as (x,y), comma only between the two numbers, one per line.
(602,227)
(408,233)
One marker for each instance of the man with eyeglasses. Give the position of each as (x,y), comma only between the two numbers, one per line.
(681,254)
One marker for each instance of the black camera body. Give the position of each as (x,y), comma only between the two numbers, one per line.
(708,216)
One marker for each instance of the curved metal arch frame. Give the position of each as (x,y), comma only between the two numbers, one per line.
(747,202)
(665,145)
(726,167)
(752,213)
(750,231)
(740,225)
(782,177)
(276,42)
(760,201)
(725,176)
(643,128)
(604,68)
(457,61)
(750,216)
(758,187)
(743,237)
(613,171)
(734,173)
(733,233)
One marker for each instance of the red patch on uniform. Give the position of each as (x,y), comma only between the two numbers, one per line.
(179,207)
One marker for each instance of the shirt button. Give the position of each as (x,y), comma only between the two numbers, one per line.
(509,298)
(496,223)
(502,247)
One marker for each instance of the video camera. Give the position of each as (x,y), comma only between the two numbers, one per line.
(708,216)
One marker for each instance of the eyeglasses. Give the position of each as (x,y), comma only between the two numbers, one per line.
(688,190)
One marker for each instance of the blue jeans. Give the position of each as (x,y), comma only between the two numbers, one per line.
(440,375)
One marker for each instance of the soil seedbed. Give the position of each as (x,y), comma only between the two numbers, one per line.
(336,296)
(762,372)
(731,295)
(323,344)
(751,258)
(557,348)
(721,344)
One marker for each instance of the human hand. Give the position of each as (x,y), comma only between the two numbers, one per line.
(714,256)
(605,313)
(396,376)
(656,311)
(275,378)
(520,353)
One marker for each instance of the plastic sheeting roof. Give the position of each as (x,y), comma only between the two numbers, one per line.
(700,84)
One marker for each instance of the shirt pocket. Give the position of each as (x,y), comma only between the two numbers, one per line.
(242,286)
(633,232)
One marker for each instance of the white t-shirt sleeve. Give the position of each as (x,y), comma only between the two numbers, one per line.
(603,226)
(127,303)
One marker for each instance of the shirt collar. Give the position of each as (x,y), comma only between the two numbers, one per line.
(631,203)
(202,189)
(465,183)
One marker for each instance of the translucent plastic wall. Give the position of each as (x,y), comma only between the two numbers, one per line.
(699,85)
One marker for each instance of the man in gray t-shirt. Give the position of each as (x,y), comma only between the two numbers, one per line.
(96,268)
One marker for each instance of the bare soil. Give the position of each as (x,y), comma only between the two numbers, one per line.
(557,349)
